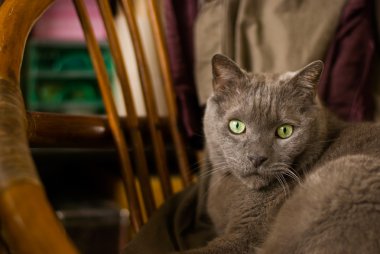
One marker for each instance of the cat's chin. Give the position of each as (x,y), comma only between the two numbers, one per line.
(255,181)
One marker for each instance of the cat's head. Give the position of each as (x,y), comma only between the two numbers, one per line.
(258,125)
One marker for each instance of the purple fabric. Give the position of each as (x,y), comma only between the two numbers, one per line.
(345,83)
(179,21)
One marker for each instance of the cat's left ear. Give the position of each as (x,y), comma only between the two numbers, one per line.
(309,76)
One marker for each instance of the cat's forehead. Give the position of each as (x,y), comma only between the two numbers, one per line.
(270,79)
(261,98)
(257,91)
(261,90)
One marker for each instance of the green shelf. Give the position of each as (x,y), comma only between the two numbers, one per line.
(62,75)
(59,77)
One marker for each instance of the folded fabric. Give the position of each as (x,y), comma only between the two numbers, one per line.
(177,225)
(263,36)
(179,22)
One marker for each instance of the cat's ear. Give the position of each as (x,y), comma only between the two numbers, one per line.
(304,82)
(225,72)
(309,76)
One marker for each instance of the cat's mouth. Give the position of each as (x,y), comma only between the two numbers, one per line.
(254,180)
(253,172)
(249,174)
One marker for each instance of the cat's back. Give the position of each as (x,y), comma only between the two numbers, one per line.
(336,210)
(353,138)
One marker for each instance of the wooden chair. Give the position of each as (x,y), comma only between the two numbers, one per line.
(28,223)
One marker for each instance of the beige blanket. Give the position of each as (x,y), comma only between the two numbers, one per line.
(263,36)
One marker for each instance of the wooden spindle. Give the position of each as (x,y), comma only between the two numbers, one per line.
(132,119)
(103,81)
(149,99)
(163,58)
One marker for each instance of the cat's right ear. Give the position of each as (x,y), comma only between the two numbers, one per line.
(225,72)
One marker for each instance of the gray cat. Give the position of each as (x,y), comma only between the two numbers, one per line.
(264,132)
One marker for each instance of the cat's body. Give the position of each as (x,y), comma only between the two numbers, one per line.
(263,134)
(337,208)
(240,216)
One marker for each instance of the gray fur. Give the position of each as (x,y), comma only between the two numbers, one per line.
(243,199)
(336,210)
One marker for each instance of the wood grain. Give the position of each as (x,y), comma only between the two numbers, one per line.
(163,58)
(149,99)
(62,130)
(112,115)
(16,20)
(28,222)
(132,119)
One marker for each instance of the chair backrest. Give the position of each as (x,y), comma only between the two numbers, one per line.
(17,173)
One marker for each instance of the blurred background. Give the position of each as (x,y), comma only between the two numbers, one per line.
(261,36)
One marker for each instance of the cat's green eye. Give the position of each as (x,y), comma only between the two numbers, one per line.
(236,126)
(284,131)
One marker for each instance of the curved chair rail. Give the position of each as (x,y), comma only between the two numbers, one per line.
(28,223)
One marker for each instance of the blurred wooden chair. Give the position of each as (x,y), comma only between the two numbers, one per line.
(28,223)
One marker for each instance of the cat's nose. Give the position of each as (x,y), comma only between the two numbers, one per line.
(257,160)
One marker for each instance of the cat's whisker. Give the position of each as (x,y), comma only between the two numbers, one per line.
(214,169)
(292,176)
(285,183)
(204,167)
(281,183)
(284,169)
(198,167)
